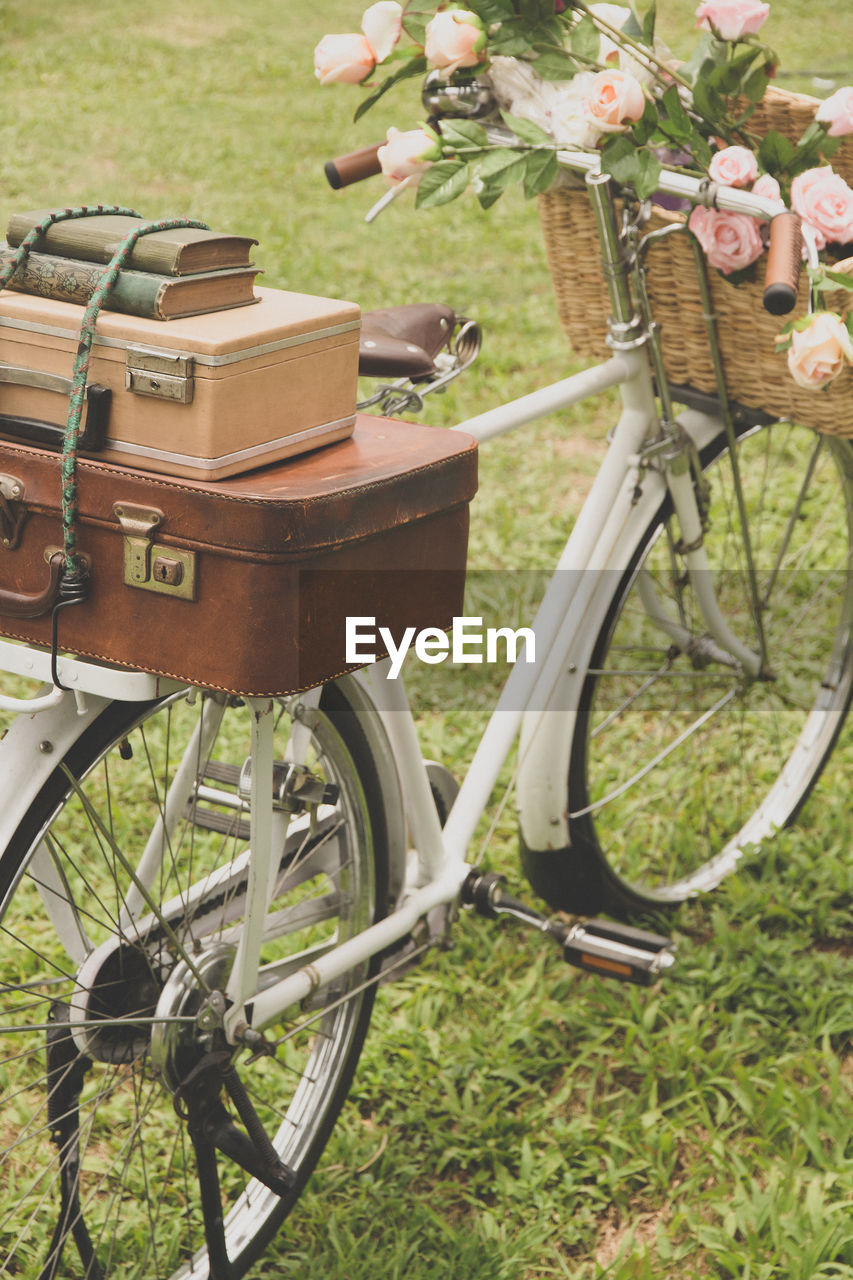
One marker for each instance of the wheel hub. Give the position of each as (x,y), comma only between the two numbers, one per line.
(177,1046)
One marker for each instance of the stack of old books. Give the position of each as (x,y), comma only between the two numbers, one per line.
(169,274)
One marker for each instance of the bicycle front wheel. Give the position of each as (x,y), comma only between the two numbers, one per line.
(134,1141)
(680,760)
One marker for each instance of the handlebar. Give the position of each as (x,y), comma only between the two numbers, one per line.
(787,237)
(784,260)
(353,167)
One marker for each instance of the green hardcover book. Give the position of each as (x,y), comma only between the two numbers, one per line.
(185,251)
(136,293)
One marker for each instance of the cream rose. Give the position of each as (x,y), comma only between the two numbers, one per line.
(816,355)
(734,167)
(382,24)
(837,113)
(455,38)
(730,241)
(768,187)
(408,155)
(344,59)
(823,199)
(609,52)
(615,99)
(732,19)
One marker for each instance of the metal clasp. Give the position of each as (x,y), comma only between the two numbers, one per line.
(168,570)
(12,517)
(168,375)
(137,525)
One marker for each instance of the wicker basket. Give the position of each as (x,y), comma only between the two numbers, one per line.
(756,376)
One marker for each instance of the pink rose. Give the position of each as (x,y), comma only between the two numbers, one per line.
(382,24)
(455,38)
(817,354)
(823,199)
(734,167)
(408,155)
(345,59)
(731,241)
(732,19)
(837,112)
(615,99)
(768,187)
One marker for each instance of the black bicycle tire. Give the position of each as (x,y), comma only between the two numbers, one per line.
(579,878)
(108,729)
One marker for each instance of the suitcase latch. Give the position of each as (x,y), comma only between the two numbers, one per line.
(165,374)
(12,511)
(148,565)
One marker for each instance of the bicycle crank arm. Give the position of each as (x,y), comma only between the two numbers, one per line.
(598,946)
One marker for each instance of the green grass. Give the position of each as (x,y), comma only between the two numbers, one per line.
(510,1120)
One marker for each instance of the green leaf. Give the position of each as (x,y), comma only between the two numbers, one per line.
(648,176)
(534,12)
(707,54)
(414,67)
(539,173)
(775,153)
(492,10)
(810,148)
(755,84)
(554,64)
(632,26)
(840,278)
(527,131)
(648,36)
(707,100)
(488,196)
(500,168)
(617,157)
(586,40)
(699,148)
(647,126)
(677,124)
(442,183)
(511,40)
(630,166)
(463,133)
(415,28)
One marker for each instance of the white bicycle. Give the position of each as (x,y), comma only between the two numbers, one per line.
(199,893)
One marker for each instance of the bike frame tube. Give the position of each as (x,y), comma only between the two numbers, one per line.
(592,548)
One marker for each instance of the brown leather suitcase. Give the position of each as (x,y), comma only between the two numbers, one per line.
(245,585)
(205,396)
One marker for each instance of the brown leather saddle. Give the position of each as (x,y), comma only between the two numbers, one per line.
(403,342)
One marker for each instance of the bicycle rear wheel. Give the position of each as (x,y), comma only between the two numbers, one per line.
(680,761)
(105,1033)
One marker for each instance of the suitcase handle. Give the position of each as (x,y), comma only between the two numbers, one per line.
(14,604)
(94,433)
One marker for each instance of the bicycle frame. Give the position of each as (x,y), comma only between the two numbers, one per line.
(538,701)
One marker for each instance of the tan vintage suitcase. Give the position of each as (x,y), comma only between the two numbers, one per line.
(245,585)
(205,397)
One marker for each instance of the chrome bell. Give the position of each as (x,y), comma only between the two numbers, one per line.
(456,95)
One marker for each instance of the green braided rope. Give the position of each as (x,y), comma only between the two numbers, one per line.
(58,215)
(84,348)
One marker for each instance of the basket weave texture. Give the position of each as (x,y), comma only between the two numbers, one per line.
(756,375)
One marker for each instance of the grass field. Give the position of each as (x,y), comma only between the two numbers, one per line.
(510,1120)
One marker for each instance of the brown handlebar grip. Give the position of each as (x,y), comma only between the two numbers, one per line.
(784,260)
(354,167)
(14,604)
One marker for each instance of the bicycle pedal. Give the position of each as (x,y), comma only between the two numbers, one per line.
(618,951)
